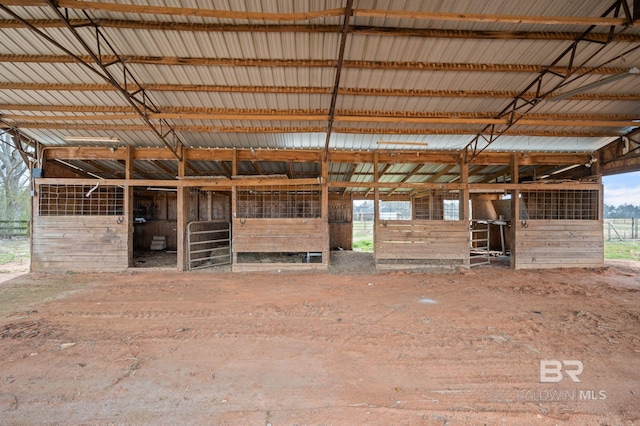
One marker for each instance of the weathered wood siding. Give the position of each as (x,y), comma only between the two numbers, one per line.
(79,244)
(559,244)
(340,223)
(421,243)
(280,236)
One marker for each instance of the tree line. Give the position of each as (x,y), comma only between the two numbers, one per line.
(624,211)
(14,182)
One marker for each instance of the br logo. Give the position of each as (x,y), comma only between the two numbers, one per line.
(551,370)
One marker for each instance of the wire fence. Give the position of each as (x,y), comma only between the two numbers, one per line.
(14,228)
(621,229)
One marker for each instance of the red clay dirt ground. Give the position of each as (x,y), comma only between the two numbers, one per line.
(162,347)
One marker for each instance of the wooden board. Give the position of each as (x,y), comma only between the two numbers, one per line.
(559,244)
(79,244)
(279,235)
(426,242)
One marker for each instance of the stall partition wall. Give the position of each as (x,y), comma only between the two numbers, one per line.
(560,228)
(80,228)
(280,227)
(435,236)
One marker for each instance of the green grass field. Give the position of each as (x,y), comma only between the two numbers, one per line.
(628,250)
(14,250)
(363,236)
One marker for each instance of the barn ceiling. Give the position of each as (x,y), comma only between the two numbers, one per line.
(325,74)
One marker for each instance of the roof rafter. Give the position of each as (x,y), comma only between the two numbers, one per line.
(313,63)
(303,16)
(351,91)
(203,113)
(453,118)
(311,129)
(298,28)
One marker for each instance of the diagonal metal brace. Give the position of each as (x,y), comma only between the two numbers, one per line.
(137,98)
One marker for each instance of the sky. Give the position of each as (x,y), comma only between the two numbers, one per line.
(618,189)
(622,189)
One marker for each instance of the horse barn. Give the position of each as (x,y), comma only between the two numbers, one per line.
(213,133)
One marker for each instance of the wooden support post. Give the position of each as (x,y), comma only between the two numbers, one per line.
(464,194)
(515,209)
(515,225)
(324,210)
(234,163)
(515,169)
(376,200)
(234,204)
(128,204)
(182,218)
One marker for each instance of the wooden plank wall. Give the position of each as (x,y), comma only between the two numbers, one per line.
(79,244)
(278,236)
(559,244)
(340,223)
(421,243)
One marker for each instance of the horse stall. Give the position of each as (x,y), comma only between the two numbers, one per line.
(279,227)
(560,228)
(432,234)
(79,228)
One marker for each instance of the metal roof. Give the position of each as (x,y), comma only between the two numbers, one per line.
(248,74)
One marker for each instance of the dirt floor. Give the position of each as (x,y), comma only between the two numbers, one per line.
(346,347)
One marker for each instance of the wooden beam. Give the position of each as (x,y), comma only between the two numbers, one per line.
(104,171)
(315,129)
(164,168)
(338,118)
(488,178)
(315,156)
(320,29)
(310,90)
(84,153)
(315,63)
(297,28)
(468,17)
(304,16)
(198,113)
(204,13)
(258,169)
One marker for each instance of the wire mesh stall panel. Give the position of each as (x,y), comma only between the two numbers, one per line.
(80,200)
(423,232)
(436,204)
(560,228)
(279,227)
(80,228)
(279,202)
(561,204)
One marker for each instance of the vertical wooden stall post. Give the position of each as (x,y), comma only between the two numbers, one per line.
(182,217)
(376,201)
(128,202)
(324,209)
(515,210)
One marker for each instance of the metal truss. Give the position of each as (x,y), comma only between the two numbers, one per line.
(348,11)
(523,103)
(129,87)
(21,142)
